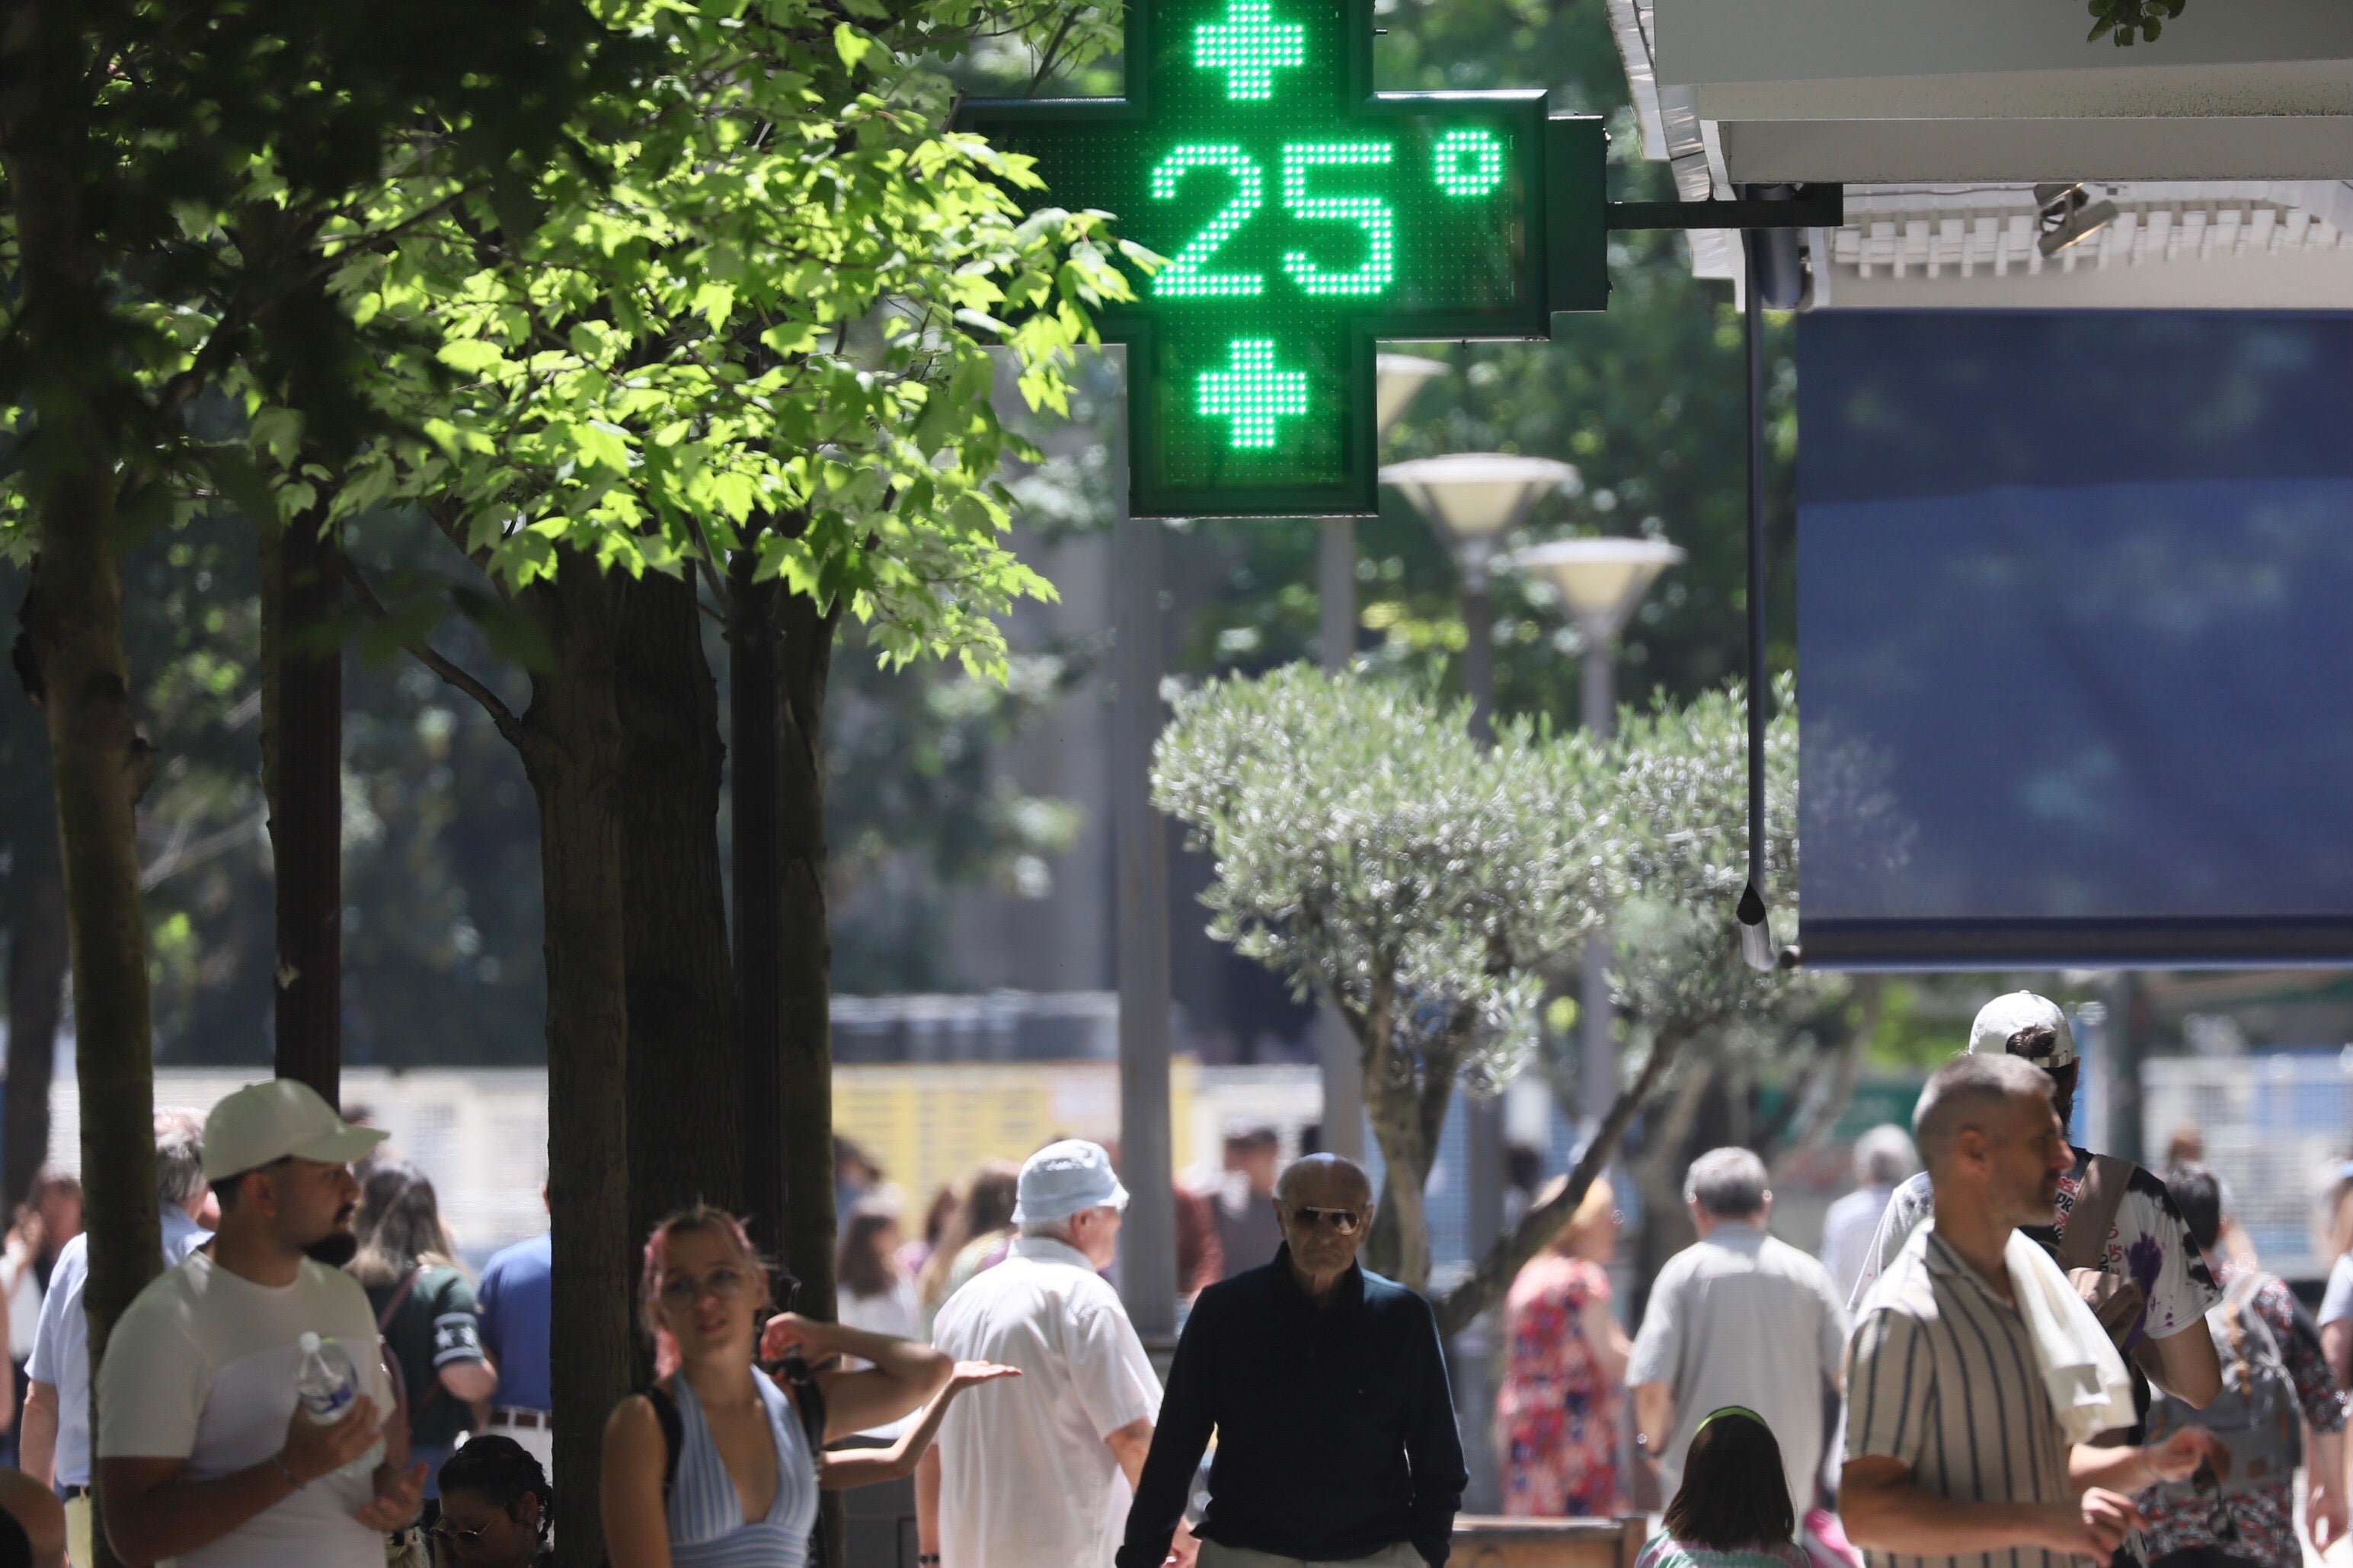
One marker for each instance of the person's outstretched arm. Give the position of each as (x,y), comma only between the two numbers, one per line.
(848,1468)
(904,1373)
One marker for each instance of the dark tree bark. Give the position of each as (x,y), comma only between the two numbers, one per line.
(685,1076)
(303,764)
(73,626)
(751,636)
(574,752)
(38,958)
(805,989)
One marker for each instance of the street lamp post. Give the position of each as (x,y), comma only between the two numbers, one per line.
(1400,377)
(1600,582)
(1336,1053)
(1474,500)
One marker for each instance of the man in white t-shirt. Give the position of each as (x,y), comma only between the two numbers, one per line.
(2160,1287)
(204,1453)
(1037,1472)
(56,1445)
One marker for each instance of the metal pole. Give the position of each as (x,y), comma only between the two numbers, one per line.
(1596,1088)
(1337,1055)
(1479,650)
(1756,934)
(1148,1240)
(1335,591)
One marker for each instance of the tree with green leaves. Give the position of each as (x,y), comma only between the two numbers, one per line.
(1369,852)
(741,350)
(165,170)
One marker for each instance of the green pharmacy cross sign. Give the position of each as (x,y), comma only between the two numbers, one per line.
(1304,217)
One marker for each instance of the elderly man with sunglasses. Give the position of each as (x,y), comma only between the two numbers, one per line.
(1327,1390)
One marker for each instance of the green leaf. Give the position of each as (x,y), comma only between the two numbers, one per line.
(851,45)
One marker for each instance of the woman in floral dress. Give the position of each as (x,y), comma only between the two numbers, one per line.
(1556,1416)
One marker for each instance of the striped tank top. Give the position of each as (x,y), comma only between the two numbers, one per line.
(707,1527)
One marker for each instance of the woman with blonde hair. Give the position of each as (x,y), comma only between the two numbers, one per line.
(1565,1358)
(715,1465)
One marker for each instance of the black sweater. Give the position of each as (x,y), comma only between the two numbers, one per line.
(1335,1429)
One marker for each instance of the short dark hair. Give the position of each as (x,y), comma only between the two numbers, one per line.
(227,1189)
(2197,1192)
(501,1471)
(1735,1495)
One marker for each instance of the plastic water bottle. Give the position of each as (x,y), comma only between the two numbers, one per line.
(325,1382)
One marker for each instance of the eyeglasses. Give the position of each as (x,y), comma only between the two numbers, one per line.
(443,1530)
(721,1284)
(1344,1222)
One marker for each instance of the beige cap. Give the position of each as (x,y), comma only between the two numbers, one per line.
(265,1123)
(2004,1017)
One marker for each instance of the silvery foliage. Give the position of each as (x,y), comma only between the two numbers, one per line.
(1368,849)
(1683,773)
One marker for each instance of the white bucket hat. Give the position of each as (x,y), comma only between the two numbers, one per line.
(1062,1179)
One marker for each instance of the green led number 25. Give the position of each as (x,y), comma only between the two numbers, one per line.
(1467,162)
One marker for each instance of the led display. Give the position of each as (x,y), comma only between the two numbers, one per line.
(1303,217)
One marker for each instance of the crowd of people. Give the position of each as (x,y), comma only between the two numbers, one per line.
(2024,1354)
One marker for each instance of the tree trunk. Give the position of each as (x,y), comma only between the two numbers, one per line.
(805,970)
(804,660)
(37,959)
(1460,1306)
(575,753)
(73,623)
(752,643)
(685,1073)
(302,770)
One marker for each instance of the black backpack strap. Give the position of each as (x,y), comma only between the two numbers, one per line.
(674,1431)
(808,1398)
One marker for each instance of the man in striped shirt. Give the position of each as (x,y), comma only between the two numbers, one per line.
(1954,1454)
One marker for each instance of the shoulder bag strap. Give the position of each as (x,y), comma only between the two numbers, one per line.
(673,1429)
(2084,1242)
(399,1296)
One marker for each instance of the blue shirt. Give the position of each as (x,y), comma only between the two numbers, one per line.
(518,1302)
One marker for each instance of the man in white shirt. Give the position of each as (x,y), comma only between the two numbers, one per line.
(1739,1318)
(55,1440)
(1038,1474)
(204,1454)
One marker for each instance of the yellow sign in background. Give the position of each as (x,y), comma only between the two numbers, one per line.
(928,1124)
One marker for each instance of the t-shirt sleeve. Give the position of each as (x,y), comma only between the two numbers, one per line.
(1912,1204)
(2337,1305)
(63,1297)
(150,1389)
(457,1322)
(1114,1376)
(1658,1348)
(2160,1256)
(1890,1388)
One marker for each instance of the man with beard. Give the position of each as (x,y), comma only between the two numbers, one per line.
(205,1454)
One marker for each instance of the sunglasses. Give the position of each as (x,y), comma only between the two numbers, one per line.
(721,1284)
(1344,1222)
(2219,1522)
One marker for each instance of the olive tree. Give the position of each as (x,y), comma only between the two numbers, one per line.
(1370,852)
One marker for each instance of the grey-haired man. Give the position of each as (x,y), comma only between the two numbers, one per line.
(56,1445)
(1737,1318)
(2145,1279)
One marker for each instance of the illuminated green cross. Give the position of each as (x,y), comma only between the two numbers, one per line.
(1249,46)
(1303,217)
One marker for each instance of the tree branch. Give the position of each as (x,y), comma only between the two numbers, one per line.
(1542,1222)
(448,669)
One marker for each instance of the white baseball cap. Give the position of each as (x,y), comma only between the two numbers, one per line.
(1062,1179)
(265,1123)
(2004,1017)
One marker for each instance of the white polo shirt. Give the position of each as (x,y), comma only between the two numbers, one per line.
(1025,1479)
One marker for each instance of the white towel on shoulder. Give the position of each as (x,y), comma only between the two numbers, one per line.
(2090,1390)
